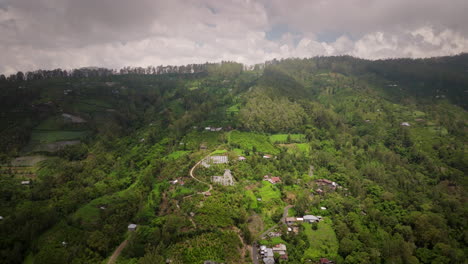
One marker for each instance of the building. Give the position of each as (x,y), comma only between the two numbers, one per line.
(266,156)
(311,219)
(324,182)
(406,124)
(280,249)
(269,260)
(290,220)
(25,182)
(242,158)
(132,227)
(326,261)
(225,180)
(272,180)
(207,162)
(1,217)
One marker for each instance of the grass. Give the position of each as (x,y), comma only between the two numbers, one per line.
(269,192)
(56,135)
(233,109)
(253,200)
(247,141)
(272,241)
(91,105)
(177,154)
(303,147)
(323,241)
(238,151)
(218,152)
(283,138)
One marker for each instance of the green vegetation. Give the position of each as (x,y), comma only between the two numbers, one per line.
(322,240)
(269,192)
(287,138)
(53,136)
(178,154)
(400,195)
(251,142)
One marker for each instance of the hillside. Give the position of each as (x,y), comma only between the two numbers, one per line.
(377,149)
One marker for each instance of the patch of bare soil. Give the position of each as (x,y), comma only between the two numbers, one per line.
(255,225)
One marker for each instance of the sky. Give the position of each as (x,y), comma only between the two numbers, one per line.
(49,34)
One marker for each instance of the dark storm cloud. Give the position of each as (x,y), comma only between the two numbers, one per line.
(114,33)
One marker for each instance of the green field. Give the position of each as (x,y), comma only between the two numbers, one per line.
(269,192)
(253,200)
(247,141)
(323,241)
(283,138)
(45,137)
(177,154)
(272,241)
(218,152)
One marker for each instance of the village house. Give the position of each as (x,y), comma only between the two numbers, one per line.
(312,218)
(25,182)
(1,217)
(326,261)
(280,249)
(225,180)
(267,254)
(266,156)
(241,158)
(326,183)
(272,180)
(290,220)
(132,227)
(213,129)
(406,124)
(177,181)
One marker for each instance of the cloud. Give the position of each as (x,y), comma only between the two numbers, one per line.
(115,33)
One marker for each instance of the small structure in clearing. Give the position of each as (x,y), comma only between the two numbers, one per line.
(73,119)
(225,180)
(406,124)
(312,218)
(132,227)
(25,182)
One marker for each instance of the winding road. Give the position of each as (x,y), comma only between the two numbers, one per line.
(191,175)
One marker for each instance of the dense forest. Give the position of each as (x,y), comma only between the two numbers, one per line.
(377,149)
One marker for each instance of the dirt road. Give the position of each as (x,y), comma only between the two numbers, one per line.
(117,252)
(191,175)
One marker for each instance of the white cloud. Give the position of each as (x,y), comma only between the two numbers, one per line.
(117,33)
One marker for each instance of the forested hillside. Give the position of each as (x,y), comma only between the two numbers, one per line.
(210,161)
